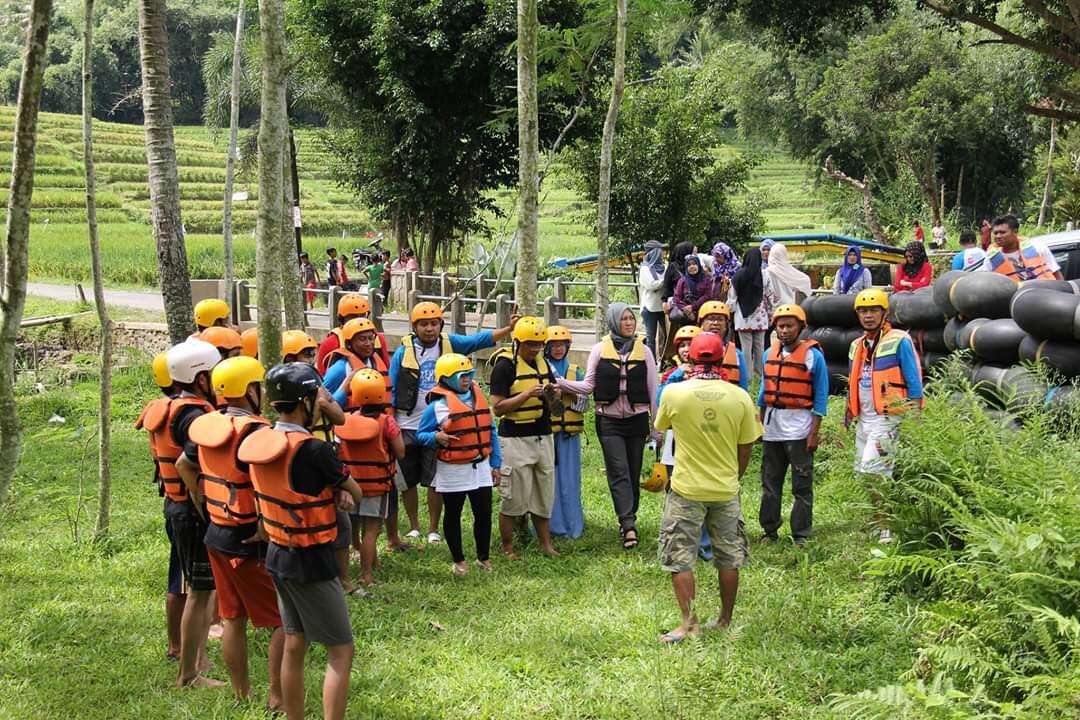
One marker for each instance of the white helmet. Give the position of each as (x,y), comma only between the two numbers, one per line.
(190,358)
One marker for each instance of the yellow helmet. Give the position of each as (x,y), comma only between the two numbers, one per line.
(687,333)
(209,311)
(353,304)
(713,307)
(790,310)
(294,342)
(367,387)
(250,340)
(872,297)
(451,363)
(161,371)
(222,338)
(231,377)
(355,327)
(425,311)
(559,333)
(530,329)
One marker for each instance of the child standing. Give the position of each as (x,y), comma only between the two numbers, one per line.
(458,421)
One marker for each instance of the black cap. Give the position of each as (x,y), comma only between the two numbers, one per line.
(290,382)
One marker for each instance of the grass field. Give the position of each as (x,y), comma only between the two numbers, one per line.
(331,215)
(82,632)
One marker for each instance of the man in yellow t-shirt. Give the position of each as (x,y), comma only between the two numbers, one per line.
(715,427)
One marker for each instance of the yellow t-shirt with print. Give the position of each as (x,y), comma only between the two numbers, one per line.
(711,418)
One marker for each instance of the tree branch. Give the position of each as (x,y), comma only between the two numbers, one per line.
(1053,112)
(831,170)
(1007,36)
(1060,23)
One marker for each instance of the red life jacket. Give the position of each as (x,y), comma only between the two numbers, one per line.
(230,497)
(290,519)
(157,417)
(471,426)
(363,449)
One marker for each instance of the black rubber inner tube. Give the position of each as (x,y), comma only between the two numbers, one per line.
(963,335)
(941,291)
(1046,314)
(916,310)
(835,310)
(982,295)
(997,341)
(1063,357)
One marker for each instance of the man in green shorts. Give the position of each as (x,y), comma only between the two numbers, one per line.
(715,425)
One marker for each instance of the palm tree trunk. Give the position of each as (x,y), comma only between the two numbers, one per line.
(528,158)
(607,144)
(101,526)
(161,159)
(271,165)
(14,253)
(230,161)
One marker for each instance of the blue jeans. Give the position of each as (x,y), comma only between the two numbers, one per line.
(652,326)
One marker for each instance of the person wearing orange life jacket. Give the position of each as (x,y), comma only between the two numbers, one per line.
(458,422)
(884,383)
(350,307)
(189,365)
(299,484)
(567,514)
(250,340)
(369,445)
(412,377)
(298,346)
(524,397)
(1019,259)
(357,353)
(175,593)
(244,589)
(225,339)
(793,398)
(715,317)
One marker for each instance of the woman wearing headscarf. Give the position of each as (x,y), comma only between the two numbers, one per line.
(916,272)
(621,377)
(789,285)
(675,267)
(766,248)
(650,293)
(725,265)
(695,288)
(853,277)
(752,306)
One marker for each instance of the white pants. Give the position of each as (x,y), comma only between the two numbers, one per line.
(752,344)
(875,444)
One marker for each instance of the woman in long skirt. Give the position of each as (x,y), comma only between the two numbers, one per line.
(567,515)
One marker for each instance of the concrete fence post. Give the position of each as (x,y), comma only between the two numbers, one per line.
(243,299)
(413,298)
(376,301)
(503,307)
(332,301)
(457,316)
(551,313)
(559,291)
(444,284)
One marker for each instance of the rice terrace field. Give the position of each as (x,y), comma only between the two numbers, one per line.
(58,237)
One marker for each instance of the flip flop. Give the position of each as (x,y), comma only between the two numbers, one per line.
(358,592)
(714,624)
(670,638)
(629,543)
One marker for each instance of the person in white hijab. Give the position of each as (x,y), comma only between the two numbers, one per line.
(789,285)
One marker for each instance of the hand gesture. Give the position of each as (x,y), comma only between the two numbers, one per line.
(258,536)
(345,501)
(536,391)
(812,441)
(444,439)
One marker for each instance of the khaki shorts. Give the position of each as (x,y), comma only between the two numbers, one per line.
(530,488)
(680,533)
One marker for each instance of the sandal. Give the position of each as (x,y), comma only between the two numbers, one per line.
(629,543)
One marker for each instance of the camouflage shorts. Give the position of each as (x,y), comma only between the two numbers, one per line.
(680,533)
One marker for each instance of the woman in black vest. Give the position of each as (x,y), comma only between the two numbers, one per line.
(621,376)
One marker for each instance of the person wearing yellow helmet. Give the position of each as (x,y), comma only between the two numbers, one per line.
(793,398)
(211,312)
(244,588)
(524,397)
(884,382)
(621,376)
(457,424)
(412,377)
(567,514)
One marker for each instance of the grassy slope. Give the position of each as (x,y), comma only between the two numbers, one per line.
(58,248)
(81,627)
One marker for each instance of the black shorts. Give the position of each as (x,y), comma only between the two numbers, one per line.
(189,531)
(418,465)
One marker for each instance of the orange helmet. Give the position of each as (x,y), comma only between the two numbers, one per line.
(426,311)
(249,339)
(294,342)
(367,388)
(222,338)
(355,327)
(353,304)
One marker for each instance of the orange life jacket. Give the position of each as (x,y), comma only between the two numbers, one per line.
(140,424)
(788,383)
(731,364)
(327,361)
(1032,266)
(471,426)
(363,449)
(290,519)
(886,377)
(157,417)
(230,498)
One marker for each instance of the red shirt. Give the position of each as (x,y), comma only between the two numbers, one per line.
(905,282)
(330,343)
(984,237)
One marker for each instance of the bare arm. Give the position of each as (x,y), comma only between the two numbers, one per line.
(744,458)
(504,332)
(397,447)
(189,473)
(329,409)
